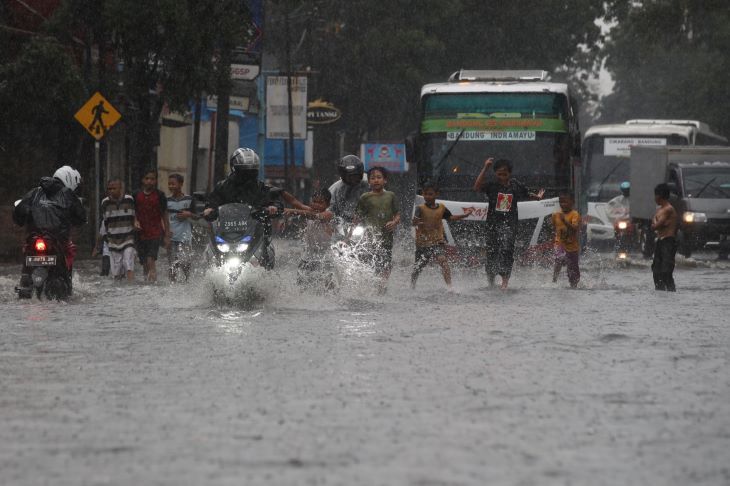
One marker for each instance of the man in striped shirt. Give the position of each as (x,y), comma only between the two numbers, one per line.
(118,222)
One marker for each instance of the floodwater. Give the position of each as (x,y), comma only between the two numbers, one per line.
(612,383)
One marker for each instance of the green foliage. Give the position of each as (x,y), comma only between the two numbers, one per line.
(39,93)
(374,55)
(669,60)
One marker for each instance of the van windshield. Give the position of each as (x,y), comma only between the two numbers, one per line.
(707,183)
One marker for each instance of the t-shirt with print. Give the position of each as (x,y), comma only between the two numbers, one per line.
(181,229)
(150,211)
(503,200)
(564,236)
(431,231)
(377,209)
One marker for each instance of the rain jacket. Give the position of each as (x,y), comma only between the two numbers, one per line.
(252,192)
(50,207)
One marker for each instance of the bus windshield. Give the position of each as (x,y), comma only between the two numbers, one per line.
(542,162)
(516,105)
(606,163)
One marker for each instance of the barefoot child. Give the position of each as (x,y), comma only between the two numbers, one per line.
(567,227)
(503,194)
(430,239)
(180,211)
(381,214)
(153,225)
(317,237)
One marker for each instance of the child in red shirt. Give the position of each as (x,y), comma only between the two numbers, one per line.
(153,225)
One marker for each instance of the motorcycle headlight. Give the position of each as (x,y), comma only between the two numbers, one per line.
(358,231)
(224,247)
(242,247)
(692,217)
(622,225)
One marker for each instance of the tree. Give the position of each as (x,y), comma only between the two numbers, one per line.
(669,60)
(39,93)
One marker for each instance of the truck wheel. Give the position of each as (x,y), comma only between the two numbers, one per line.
(684,246)
(646,241)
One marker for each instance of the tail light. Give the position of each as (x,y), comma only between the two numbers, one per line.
(40,245)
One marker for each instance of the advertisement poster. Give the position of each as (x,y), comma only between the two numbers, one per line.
(392,156)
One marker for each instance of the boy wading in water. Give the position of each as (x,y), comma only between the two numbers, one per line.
(664,225)
(379,209)
(567,227)
(503,194)
(430,239)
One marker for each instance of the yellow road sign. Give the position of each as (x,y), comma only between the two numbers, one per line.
(97,116)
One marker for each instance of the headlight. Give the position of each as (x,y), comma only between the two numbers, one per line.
(622,225)
(224,247)
(358,231)
(692,217)
(242,247)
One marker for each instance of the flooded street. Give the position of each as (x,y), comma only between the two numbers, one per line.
(612,383)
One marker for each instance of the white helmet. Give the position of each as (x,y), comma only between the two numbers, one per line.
(69,176)
(244,159)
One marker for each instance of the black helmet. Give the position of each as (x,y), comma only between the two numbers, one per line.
(245,163)
(350,169)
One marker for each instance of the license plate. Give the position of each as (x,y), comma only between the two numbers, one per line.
(40,260)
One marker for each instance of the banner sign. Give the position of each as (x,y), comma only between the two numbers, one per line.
(236,102)
(245,72)
(478,136)
(277,107)
(493,124)
(621,146)
(391,156)
(525,209)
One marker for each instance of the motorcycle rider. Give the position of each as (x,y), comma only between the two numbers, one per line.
(242,186)
(618,207)
(347,191)
(52,207)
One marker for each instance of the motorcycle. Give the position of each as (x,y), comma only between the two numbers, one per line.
(352,242)
(239,238)
(625,234)
(45,255)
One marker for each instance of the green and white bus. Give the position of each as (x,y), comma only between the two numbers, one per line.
(517,115)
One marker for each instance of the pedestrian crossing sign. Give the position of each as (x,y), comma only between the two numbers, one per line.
(97,116)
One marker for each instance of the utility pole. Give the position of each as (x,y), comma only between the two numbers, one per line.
(290,151)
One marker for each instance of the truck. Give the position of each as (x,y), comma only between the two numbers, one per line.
(699,183)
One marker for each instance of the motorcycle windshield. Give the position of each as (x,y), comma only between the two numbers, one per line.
(235,221)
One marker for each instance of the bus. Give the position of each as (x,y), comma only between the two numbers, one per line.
(517,115)
(606,154)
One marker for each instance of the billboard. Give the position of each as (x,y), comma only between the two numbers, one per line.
(392,156)
(277,107)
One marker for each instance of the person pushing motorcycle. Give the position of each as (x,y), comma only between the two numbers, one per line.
(51,207)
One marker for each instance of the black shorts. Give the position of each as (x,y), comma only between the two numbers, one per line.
(429,253)
(147,249)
